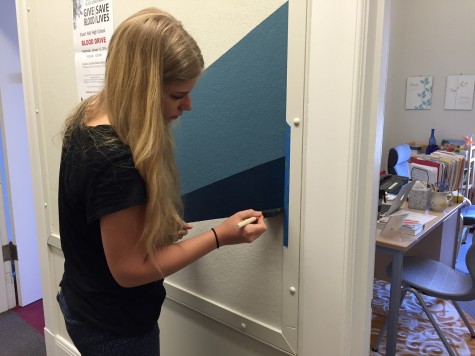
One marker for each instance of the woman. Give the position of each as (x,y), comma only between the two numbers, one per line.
(119,204)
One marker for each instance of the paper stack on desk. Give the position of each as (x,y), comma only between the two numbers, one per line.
(411,224)
(449,167)
(411,227)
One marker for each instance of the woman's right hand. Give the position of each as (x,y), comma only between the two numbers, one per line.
(230,234)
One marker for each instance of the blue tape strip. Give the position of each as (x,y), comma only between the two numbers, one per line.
(286,186)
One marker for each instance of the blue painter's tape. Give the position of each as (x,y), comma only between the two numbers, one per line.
(286,186)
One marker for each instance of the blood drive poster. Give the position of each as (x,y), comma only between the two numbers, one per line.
(92,30)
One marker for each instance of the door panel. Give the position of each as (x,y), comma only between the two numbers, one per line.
(7,288)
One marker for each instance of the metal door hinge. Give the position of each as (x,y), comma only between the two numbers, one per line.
(9,252)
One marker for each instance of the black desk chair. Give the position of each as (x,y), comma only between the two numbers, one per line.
(398,160)
(467,214)
(435,279)
(467,222)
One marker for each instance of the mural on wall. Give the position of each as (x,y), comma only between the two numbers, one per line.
(231,148)
(419,93)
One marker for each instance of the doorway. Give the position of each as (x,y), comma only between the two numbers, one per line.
(17,182)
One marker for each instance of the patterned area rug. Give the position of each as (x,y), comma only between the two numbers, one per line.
(416,335)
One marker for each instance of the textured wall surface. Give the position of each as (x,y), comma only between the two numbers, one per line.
(230,150)
(428,40)
(238,124)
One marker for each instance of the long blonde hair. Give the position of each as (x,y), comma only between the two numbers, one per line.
(148,50)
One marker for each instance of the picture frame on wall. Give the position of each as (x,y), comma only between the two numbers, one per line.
(419,93)
(459,92)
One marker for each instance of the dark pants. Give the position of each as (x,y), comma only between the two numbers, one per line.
(94,342)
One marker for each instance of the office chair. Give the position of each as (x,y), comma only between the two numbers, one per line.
(467,213)
(435,279)
(398,160)
(467,221)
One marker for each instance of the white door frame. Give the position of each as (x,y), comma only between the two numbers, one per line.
(20,154)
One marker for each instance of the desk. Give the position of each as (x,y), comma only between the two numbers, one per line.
(438,241)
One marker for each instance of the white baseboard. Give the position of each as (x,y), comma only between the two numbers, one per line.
(56,345)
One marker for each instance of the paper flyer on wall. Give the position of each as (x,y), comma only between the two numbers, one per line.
(92,30)
(419,93)
(459,92)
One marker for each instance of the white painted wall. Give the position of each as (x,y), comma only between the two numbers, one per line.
(428,38)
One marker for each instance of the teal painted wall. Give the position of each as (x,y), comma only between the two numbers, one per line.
(238,119)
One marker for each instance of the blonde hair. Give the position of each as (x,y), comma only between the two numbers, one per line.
(148,50)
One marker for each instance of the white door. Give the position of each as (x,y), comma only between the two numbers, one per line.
(7,288)
(16,154)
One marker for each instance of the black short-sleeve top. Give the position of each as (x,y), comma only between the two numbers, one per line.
(98,177)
